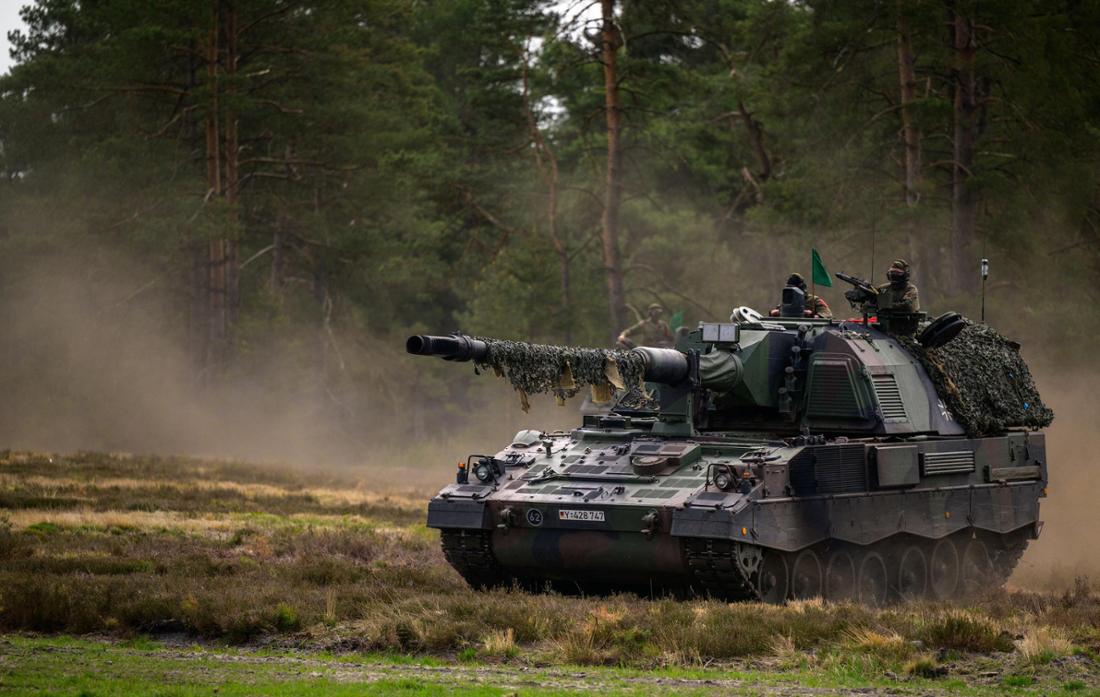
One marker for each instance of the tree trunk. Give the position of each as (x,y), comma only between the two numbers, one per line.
(223,183)
(232,173)
(199,328)
(198,274)
(277,261)
(964,203)
(216,315)
(910,131)
(911,139)
(756,138)
(610,41)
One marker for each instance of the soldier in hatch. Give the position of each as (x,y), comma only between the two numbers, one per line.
(651,331)
(815,306)
(899,295)
(896,304)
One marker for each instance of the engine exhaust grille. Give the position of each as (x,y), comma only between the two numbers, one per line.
(955,462)
(889,398)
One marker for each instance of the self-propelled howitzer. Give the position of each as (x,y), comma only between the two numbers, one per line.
(758,459)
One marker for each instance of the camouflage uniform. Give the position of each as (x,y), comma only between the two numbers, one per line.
(818,305)
(899,295)
(898,299)
(650,333)
(896,302)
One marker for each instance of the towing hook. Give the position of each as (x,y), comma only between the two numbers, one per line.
(507,520)
(650,523)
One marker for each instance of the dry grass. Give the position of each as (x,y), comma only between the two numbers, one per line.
(168,521)
(308,571)
(1044,644)
(94,488)
(500,643)
(211,524)
(885,645)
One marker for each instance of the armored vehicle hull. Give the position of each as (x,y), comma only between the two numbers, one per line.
(827,465)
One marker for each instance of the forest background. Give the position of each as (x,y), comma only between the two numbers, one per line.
(219,219)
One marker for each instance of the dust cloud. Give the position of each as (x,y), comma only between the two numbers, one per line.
(94,356)
(1067,547)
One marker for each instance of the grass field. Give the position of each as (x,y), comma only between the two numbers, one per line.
(185,576)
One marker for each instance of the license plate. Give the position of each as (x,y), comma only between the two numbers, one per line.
(583,516)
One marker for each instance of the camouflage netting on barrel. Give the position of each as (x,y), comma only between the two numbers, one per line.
(984,382)
(562,370)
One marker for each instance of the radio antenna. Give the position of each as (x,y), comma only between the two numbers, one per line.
(874,226)
(985,275)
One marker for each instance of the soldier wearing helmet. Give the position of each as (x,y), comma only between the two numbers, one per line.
(651,331)
(899,295)
(813,305)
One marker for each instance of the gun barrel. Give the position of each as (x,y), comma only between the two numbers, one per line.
(450,348)
(720,370)
(665,366)
(858,283)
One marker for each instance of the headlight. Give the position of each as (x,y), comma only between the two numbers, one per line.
(723,480)
(484,471)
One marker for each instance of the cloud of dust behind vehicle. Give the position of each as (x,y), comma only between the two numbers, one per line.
(1071,516)
(96,360)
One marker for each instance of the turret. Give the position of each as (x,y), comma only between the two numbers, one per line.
(781,377)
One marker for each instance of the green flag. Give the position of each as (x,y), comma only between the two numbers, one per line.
(676,321)
(820,274)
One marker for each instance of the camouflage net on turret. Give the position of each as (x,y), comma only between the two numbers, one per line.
(984,381)
(562,370)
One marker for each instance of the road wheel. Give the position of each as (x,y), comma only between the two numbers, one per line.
(840,577)
(873,580)
(912,574)
(943,569)
(772,580)
(977,567)
(806,575)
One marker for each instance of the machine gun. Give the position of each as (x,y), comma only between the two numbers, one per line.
(861,292)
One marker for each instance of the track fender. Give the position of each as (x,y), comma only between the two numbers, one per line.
(457,513)
(703,522)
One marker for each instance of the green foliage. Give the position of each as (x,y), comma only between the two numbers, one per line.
(285,618)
